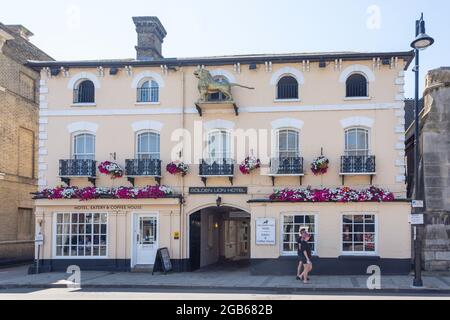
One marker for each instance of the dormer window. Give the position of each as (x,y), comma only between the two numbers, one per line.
(148,92)
(84,92)
(287,88)
(356,86)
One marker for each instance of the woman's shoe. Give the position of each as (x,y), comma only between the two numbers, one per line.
(298,278)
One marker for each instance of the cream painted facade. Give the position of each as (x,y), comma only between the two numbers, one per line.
(320,115)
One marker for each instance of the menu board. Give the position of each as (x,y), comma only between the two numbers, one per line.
(162,261)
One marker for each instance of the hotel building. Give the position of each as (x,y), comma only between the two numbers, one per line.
(145,113)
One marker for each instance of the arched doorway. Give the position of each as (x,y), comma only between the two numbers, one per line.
(219,237)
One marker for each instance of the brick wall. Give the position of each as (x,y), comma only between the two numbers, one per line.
(18,159)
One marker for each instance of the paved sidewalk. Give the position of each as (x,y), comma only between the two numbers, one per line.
(234,280)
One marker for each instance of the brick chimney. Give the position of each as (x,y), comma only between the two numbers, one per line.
(151,34)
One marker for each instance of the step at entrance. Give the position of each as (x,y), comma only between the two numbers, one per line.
(143,268)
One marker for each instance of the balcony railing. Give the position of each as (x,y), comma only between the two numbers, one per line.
(216,167)
(77,168)
(286,166)
(147,94)
(358,165)
(143,167)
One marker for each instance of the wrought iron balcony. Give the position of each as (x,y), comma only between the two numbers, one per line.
(77,168)
(286,166)
(135,168)
(289,166)
(73,168)
(143,167)
(357,164)
(216,168)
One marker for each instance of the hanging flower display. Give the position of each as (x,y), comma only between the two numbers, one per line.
(91,193)
(249,164)
(177,167)
(111,168)
(342,194)
(320,165)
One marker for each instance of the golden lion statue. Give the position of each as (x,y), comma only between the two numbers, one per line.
(207,85)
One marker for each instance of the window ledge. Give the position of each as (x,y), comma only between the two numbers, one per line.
(357,98)
(146,103)
(84,105)
(287,100)
(365,256)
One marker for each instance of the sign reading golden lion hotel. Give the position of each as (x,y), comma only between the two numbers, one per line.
(192,154)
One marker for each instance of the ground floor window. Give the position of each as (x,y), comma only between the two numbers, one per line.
(292,224)
(358,233)
(81,234)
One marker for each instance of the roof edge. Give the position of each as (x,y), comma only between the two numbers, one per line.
(406,55)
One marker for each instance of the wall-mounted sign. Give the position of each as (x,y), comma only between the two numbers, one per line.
(416,219)
(109,207)
(218,190)
(417,204)
(265,231)
(39,239)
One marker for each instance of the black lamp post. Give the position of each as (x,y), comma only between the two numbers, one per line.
(421,42)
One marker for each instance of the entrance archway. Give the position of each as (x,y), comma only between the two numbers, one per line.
(219,236)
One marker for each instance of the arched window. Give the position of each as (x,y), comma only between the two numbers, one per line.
(288,143)
(287,88)
(218,96)
(148,145)
(84,92)
(357,142)
(148,91)
(356,86)
(219,145)
(84,146)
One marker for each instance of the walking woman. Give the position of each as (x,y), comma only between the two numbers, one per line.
(305,256)
(299,253)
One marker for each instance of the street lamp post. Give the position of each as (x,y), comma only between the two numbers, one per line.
(421,42)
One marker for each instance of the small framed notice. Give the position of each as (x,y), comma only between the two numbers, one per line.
(416,219)
(265,231)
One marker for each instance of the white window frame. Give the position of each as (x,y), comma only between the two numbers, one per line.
(367,87)
(316,232)
(358,253)
(54,244)
(150,81)
(79,133)
(346,130)
(137,153)
(76,86)
(276,152)
(228,153)
(289,99)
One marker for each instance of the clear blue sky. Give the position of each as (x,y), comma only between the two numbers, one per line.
(88,29)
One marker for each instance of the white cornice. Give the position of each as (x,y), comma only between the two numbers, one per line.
(250,109)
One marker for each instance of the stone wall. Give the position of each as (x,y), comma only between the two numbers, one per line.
(435,167)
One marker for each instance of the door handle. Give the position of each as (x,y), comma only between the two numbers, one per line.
(137,237)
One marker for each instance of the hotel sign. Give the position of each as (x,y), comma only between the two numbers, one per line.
(218,190)
(265,231)
(109,207)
